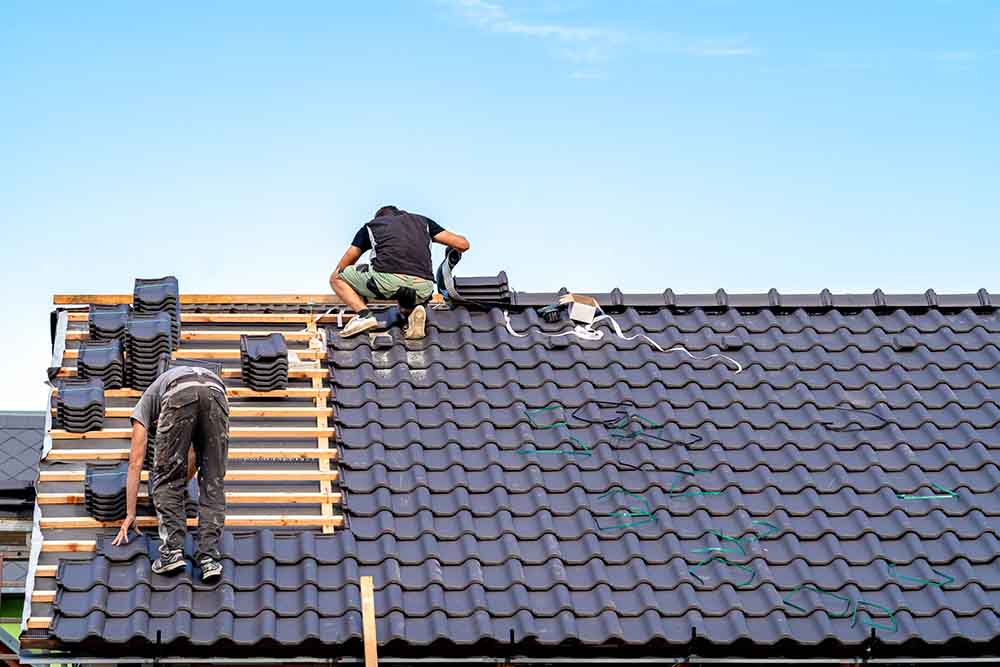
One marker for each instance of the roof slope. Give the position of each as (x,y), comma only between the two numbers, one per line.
(21,436)
(845,482)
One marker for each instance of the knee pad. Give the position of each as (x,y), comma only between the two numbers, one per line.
(407,298)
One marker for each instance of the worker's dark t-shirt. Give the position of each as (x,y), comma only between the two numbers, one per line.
(400,243)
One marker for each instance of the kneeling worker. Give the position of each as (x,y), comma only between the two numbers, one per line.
(185,408)
(400,269)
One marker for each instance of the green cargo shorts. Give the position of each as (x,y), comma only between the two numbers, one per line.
(371,284)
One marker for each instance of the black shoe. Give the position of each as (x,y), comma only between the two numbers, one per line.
(170,561)
(211,570)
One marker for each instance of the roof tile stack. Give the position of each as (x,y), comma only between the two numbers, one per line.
(80,405)
(264,362)
(492,290)
(159,295)
(103,360)
(108,322)
(104,491)
(150,339)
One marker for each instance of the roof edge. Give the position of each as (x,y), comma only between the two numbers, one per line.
(772,299)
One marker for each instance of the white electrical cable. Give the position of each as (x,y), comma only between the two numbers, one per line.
(588,333)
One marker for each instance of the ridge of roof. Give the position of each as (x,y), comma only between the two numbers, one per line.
(772,299)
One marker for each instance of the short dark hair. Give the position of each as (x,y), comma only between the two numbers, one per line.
(386,210)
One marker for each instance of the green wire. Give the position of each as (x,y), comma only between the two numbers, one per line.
(872,623)
(816,589)
(946,578)
(725,561)
(643,513)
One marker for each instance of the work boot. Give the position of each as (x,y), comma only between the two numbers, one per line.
(358,325)
(169,561)
(211,570)
(416,323)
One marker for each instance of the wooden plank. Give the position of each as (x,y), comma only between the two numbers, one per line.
(368,621)
(46,570)
(202,299)
(39,622)
(259,432)
(231,475)
(213,336)
(243,411)
(64,522)
(79,546)
(233,373)
(307,355)
(246,318)
(294,453)
(321,422)
(325,299)
(234,497)
(43,596)
(237,392)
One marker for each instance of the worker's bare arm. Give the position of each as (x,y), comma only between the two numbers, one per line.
(135,459)
(350,258)
(456,241)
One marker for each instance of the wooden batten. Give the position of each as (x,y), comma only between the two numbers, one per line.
(258,432)
(231,475)
(64,522)
(306,355)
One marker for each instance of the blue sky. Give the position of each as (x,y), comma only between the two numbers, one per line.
(645,145)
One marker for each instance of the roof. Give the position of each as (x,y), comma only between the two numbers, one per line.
(21,436)
(845,482)
(512,492)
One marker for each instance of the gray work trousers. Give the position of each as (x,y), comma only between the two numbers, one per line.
(195,416)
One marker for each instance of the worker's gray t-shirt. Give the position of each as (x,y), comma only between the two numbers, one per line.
(147,410)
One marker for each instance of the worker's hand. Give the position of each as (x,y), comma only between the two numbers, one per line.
(122,537)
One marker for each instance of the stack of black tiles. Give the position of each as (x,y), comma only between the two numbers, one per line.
(159,295)
(486,289)
(103,360)
(80,405)
(264,362)
(108,322)
(150,340)
(104,494)
(104,491)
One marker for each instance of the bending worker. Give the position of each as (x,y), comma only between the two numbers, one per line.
(400,268)
(185,409)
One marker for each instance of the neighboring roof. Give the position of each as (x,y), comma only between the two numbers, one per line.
(512,493)
(800,496)
(21,436)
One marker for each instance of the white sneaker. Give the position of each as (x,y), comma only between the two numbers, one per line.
(358,325)
(416,323)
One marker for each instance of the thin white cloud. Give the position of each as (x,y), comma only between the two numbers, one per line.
(588,47)
(721,51)
(493,16)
